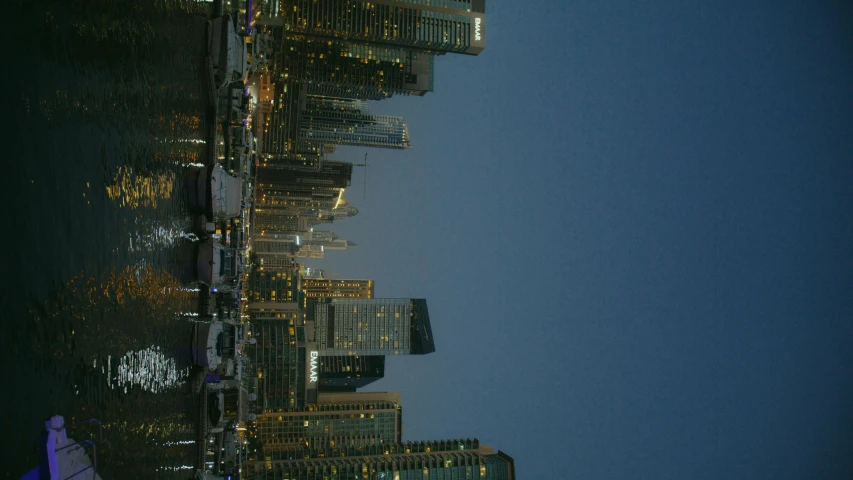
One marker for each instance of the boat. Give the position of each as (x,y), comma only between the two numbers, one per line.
(215,265)
(228,52)
(214,346)
(216,193)
(63,458)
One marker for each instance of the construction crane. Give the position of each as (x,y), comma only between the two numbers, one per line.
(365,174)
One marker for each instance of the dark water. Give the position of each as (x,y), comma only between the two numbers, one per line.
(105,105)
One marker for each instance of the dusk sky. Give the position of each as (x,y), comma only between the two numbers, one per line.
(633,224)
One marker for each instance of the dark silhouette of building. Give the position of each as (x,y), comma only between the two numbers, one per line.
(347,373)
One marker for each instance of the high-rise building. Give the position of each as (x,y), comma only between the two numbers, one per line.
(274,220)
(355,70)
(331,177)
(283,196)
(311,273)
(438,26)
(317,248)
(301,162)
(274,261)
(272,285)
(276,376)
(337,288)
(345,121)
(445,459)
(347,373)
(338,420)
(370,326)
(278,129)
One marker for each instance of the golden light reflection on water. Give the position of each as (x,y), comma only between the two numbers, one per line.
(128,310)
(122,312)
(137,191)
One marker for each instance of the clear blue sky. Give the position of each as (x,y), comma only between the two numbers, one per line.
(632,223)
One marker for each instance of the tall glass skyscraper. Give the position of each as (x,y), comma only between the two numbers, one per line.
(371,326)
(275,376)
(345,121)
(272,286)
(435,460)
(341,68)
(438,26)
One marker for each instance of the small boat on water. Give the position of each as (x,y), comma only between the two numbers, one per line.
(62,458)
(215,265)
(216,193)
(228,52)
(215,346)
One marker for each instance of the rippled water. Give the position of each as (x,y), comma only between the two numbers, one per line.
(107,108)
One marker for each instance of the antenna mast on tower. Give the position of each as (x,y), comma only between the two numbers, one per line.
(365,173)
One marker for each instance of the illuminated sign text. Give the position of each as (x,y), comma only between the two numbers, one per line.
(313,376)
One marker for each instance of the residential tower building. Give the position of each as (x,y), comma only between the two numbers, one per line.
(370,326)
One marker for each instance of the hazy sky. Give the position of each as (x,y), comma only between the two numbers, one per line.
(632,223)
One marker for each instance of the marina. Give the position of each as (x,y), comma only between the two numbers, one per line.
(190,266)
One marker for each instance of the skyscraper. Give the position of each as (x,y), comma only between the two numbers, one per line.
(280,219)
(337,288)
(315,243)
(345,121)
(279,210)
(276,262)
(441,460)
(341,68)
(272,285)
(302,162)
(438,26)
(343,373)
(339,420)
(275,377)
(331,175)
(376,326)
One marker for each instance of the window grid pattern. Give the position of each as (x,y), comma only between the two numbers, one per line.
(348,122)
(436,26)
(451,460)
(274,357)
(337,288)
(345,424)
(364,326)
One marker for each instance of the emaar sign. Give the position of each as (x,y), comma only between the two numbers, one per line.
(478,30)
(312,377)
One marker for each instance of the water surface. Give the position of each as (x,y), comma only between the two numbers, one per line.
(107,116)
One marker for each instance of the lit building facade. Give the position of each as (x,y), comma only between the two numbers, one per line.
(344,121)
(355,70)
(337,288)
(437,26)
(272,285)
(331,175)
(439,460)
(272,262)
(340,420)
(370,326)
(311,273)
(275,373)
(301,162)
(274,220)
